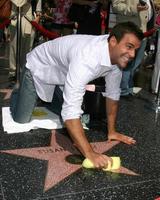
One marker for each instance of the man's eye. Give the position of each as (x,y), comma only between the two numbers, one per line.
(129,47)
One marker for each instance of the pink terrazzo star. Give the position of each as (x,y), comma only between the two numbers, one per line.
(55,154)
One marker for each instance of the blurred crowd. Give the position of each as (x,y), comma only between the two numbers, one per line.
(84,17)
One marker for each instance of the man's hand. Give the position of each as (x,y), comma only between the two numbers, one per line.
(112,107)
(99,160)
(78,136)
(121,137)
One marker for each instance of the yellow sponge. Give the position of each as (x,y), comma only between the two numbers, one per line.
(115,165)
(87,164)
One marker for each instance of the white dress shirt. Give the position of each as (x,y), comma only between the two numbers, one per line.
(73,61)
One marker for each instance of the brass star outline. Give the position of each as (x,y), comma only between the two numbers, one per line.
(61,147)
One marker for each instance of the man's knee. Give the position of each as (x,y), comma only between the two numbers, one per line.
(19,112)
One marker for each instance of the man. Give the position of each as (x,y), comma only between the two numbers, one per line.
(142,14)
(72,62)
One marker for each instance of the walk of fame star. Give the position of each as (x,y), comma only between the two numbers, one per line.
(60,148)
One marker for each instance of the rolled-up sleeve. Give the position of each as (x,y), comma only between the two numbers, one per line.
(113,80)
(78,76)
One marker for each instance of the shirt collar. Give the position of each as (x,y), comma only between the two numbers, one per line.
(105,56)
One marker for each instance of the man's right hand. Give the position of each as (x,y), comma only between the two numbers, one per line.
(78,136)
(99,160)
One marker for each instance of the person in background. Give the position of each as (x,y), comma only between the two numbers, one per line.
(27,32)
(48,7)
(156,70)
(59,70)
(61,23)
(47,14)
(89,16)
(142,14)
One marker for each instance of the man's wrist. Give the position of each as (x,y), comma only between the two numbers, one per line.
(89,154)
(111,130)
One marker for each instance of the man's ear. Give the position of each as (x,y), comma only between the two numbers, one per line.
(113,41)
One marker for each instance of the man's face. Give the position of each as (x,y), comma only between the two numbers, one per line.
(123,51)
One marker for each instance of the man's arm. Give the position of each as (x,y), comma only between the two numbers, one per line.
(79,74)
(112,108)
(77,134)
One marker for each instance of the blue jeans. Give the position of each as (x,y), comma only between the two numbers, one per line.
(128,73)
(24,99)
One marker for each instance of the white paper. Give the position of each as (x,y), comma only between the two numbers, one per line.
(49,120)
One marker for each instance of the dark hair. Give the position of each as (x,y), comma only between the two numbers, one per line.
(123,28)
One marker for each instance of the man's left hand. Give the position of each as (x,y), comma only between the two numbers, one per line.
(121,137)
